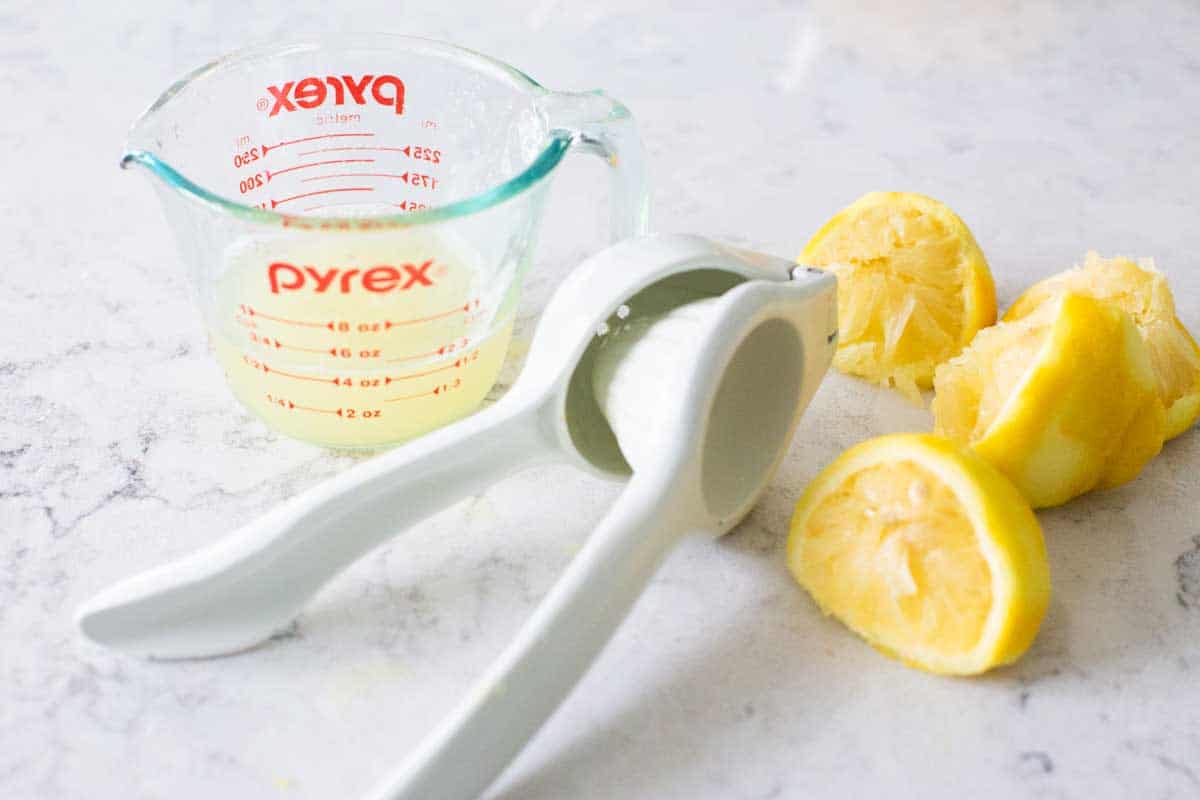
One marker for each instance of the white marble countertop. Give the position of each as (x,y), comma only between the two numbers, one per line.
(1049,128)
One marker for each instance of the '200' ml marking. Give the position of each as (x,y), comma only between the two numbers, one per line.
(387,90)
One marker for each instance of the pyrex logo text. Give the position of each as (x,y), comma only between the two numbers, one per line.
(387,90)
(284,277)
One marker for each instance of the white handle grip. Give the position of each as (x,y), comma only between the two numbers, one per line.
(248,586)
(545,661)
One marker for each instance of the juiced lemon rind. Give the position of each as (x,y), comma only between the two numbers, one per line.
(1005,530)
(1083,414)
(1142,291)
(913,286)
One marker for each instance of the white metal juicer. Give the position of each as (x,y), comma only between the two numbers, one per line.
(675,363)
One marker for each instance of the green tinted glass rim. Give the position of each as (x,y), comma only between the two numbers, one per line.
(549,157)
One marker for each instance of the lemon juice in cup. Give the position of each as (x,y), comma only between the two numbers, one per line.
(352,341)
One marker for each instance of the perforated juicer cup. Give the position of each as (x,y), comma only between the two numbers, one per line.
(356,213)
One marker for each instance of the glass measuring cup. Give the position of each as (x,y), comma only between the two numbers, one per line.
(356,213)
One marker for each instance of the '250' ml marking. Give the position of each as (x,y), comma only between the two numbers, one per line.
(387,90)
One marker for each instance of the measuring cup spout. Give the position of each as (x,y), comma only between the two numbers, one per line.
(160,169)
(148,143)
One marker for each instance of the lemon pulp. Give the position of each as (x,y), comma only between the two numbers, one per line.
(913,286)
(926,551)
(1062,401)
(908,571)
(1142,292)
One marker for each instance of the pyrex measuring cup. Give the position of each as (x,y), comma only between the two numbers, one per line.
(356,213)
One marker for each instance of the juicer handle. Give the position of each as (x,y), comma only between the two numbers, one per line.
(549,655)
(595,123)
(251,584)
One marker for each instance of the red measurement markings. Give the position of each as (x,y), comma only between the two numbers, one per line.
(329,205)
(363,353)
(269,370)
(418,179)
(410,205)
(359,413)
(268,147)
(279,172)
(465,308)
(403,177)
(363,327)
(250,311)
(337,411)
(434,392)
(430,154)
(362,383)
(441,351)
(458,363)
(411,178)
(267,341)
(379,149)
(275,203)
(283,402)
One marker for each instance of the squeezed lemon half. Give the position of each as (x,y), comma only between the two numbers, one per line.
(1142,292)
(926,551)
(1062,401)
(913,287)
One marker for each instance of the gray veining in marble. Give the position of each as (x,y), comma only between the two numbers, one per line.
(1050,127)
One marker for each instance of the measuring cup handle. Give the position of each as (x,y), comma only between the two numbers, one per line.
(549,655)
(597,124)
(250,585)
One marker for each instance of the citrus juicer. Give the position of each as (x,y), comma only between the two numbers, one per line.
(356,213)
(672,362)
